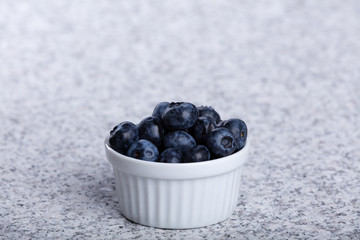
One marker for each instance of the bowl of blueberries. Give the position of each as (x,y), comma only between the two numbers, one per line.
(178,168)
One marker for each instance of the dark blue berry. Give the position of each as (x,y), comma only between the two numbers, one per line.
(171,155)
(201,128)
(220,142)
(180,140)
(159,109)
(179,116)
(239,130)
(143,149)
(122,136)
(197,154)
(150,128)
(209,112)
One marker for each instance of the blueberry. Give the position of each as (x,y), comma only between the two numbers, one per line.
(150,128)
(159,109)
(201,128)
(171,155)
(239,130)
(197,154)
(179,116)
(220,142)
(180,140)
(143,149)
(122,136)
(209,112)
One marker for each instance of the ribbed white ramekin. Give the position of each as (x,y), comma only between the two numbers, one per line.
(177,196)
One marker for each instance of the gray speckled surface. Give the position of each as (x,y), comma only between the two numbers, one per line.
(70,70)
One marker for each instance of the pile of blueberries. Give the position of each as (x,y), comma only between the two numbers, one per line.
(179,132)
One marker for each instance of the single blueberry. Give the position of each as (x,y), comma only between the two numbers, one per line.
(201,128)
(159,109)
(171,155)
(197,154)
(150,128)
(209,112)
(143,149)
(220,142)
(179,116)
(180,140)
(239,130)
(122,136)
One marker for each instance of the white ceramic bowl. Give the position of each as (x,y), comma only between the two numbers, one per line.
(177,195)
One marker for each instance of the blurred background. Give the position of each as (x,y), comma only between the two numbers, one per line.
(71,70)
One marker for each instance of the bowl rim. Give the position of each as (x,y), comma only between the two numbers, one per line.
(159,170)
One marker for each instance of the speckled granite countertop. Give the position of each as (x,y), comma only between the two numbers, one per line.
(71,70)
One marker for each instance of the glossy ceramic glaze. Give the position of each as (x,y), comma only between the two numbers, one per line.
(177,196)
